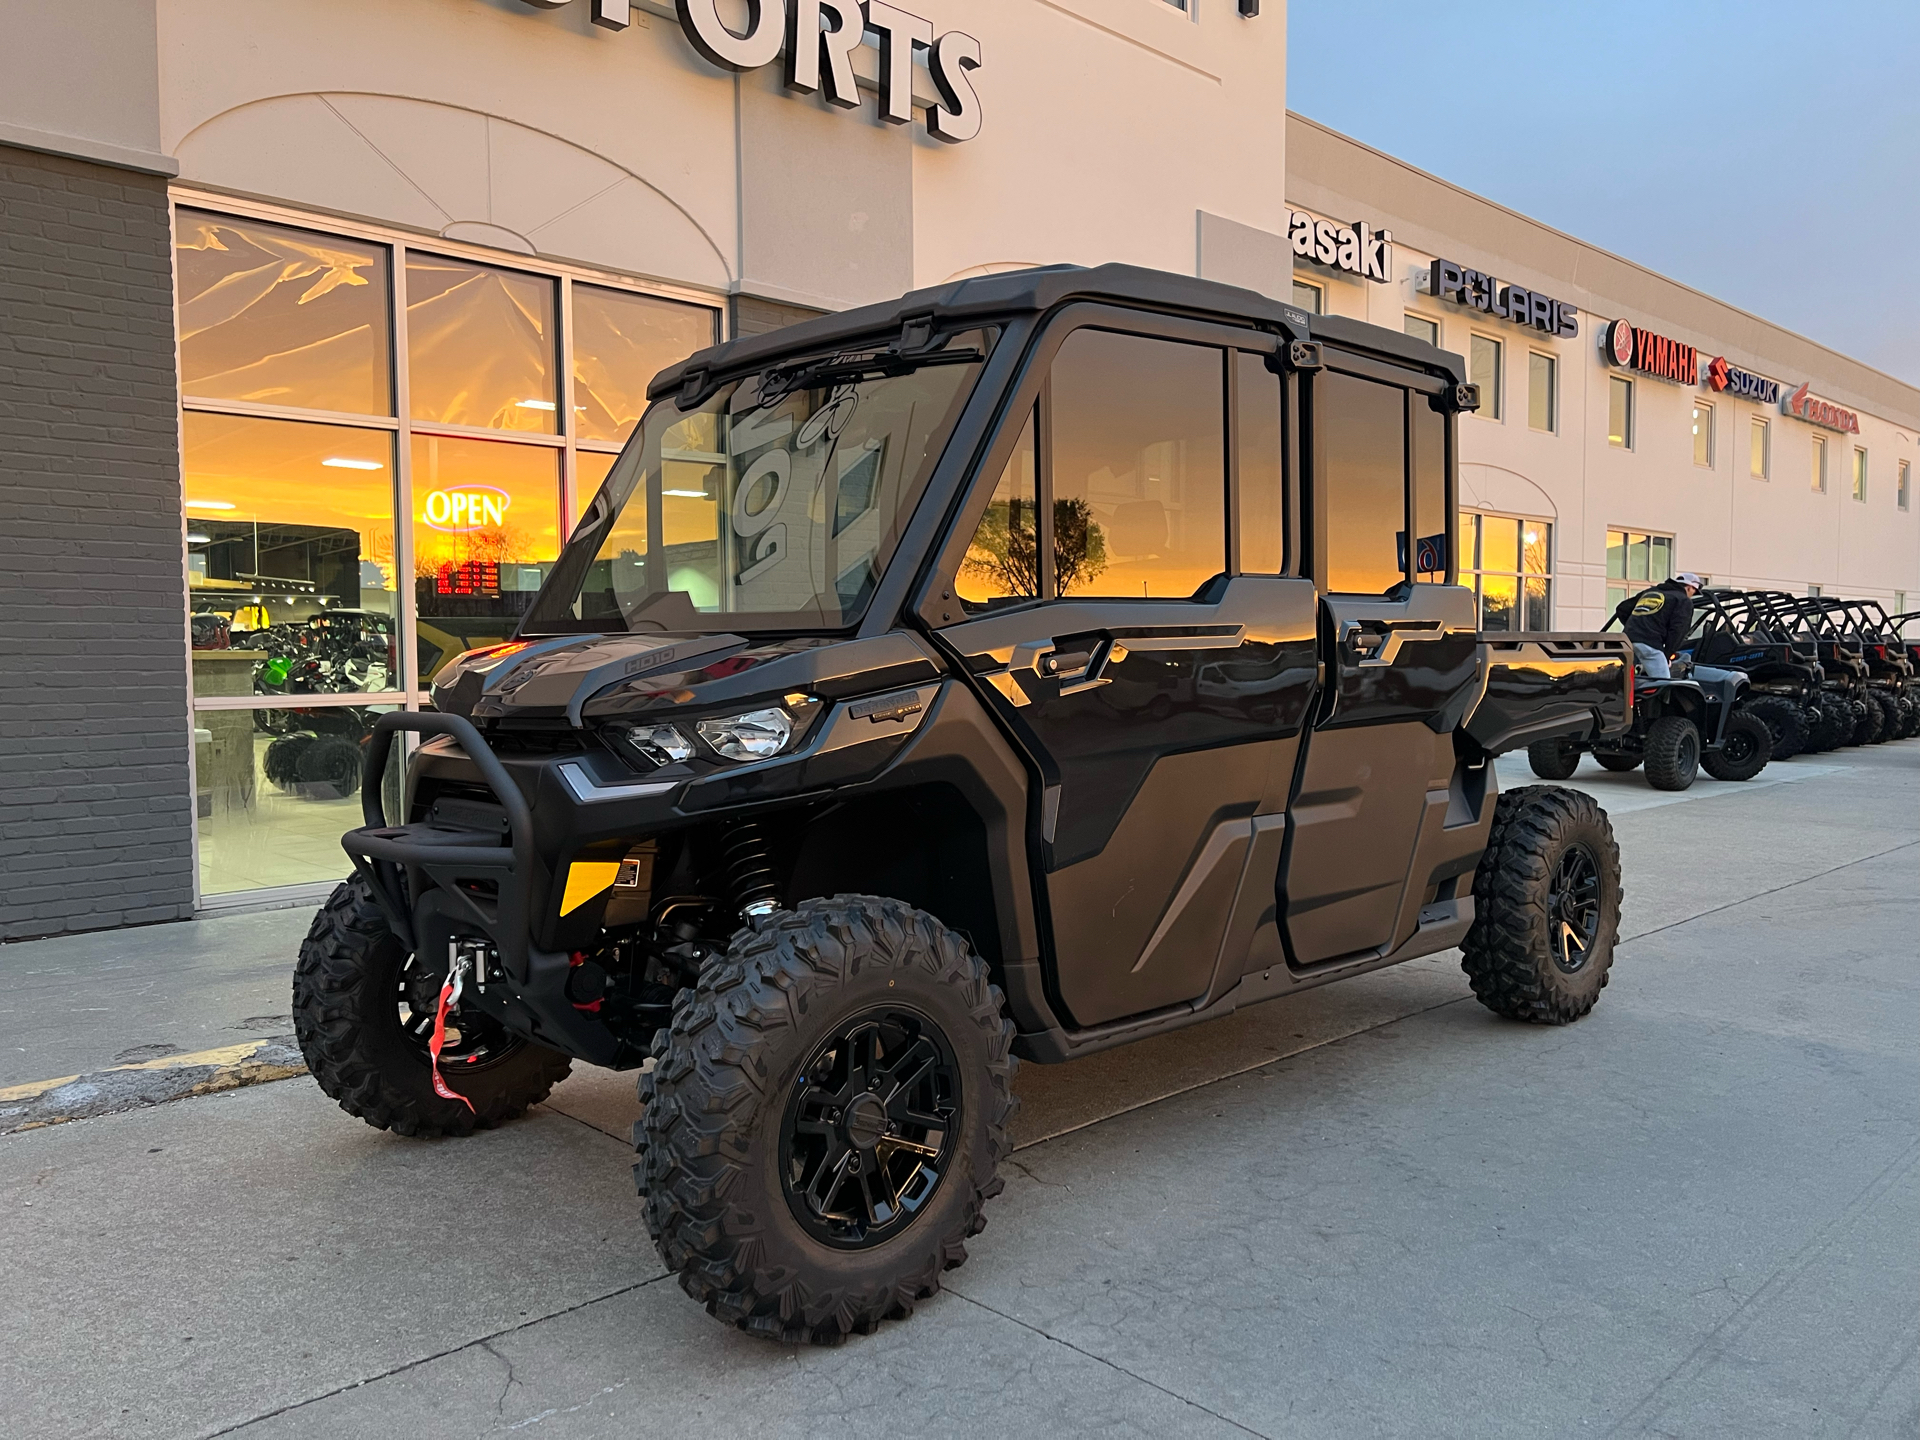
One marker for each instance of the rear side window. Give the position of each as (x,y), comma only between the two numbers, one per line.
(1360,440)
(1138,465)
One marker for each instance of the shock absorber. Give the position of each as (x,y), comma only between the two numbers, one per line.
(749,868)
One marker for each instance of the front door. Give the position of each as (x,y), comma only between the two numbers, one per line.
(1159,695)
(1403,653)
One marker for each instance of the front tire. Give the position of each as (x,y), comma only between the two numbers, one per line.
(781,1185)
(361,1013)
(1673,753)
(1546,901)
(1554,759)
(1744,749)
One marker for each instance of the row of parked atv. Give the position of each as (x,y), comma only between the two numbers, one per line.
(1763,676)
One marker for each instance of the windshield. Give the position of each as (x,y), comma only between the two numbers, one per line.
(774,504)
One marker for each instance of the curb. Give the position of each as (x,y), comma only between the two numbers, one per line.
(42,1103)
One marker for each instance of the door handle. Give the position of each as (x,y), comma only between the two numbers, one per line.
(1380,647)
(1070,666)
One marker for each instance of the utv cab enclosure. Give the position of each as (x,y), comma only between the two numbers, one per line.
(1019,668)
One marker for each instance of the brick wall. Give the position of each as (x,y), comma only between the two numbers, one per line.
(94,790)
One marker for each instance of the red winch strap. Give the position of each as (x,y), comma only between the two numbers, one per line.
(439,1039)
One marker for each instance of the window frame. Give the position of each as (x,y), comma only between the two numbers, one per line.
(1552,427)
(398,423)
(1498,415)
(1417,389)
(1818,451)
(1432,320)
(1034,390)
(1903,486)
(1861,472)
(1757,425)
(1471,576)
(1319,306)
(1620,385)
(1626,584)
(1704,406)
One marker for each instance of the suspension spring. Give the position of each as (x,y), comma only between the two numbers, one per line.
(749,868)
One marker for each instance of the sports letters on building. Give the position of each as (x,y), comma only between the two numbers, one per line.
(1359,249)
(1744,384)
(1478,291)
(1651,354)
(818,38)
(1825,413)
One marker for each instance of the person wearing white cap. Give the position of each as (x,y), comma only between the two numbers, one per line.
(1657,620)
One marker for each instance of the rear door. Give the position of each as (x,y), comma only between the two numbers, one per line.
(1133,630)
(1402,650)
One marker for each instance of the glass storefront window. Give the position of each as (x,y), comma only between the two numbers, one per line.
(277,316)
(590,471)
(297,603)
(275,789)
(1421,328)
(1635,561)
(486,530)
(620,342)
(480,346)
(1512,560)
(290,557)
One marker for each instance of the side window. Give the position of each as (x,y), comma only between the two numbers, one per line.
(1138,466)
(1360,433)
(1256,447)
(1003,561)
(1431,560)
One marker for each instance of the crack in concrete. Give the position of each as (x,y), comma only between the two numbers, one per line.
(500,1402)
(1102,1360)
(483,1341)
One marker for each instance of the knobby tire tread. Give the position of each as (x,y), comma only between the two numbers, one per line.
(1505,955)
(337,963)
(712,1083)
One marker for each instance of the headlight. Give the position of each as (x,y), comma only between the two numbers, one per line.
(759,734)
(655,744)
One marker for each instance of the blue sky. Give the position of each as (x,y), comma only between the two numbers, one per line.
(1766,153)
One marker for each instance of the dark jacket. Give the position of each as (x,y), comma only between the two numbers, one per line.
(1660,617)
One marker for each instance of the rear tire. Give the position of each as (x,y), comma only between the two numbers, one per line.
(1554,759)
(330,768)
(1893,723)
(346,1013)
(1785,721)
(747,1119)
(1870,726)
(1744,748)
(1673,753)
(1618,764)
(1546,901)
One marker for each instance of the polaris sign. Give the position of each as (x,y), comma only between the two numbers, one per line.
(818,38)
(1477,291)
(1358,249)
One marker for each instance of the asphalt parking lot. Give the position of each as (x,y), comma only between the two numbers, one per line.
(1369,1210)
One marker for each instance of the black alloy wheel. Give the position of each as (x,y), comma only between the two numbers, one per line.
(870,1129)
(1573,908)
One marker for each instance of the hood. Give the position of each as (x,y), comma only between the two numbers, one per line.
(576,680)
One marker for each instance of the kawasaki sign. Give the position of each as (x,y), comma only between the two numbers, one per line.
(818,38)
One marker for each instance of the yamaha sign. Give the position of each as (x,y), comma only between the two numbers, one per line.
(818,38)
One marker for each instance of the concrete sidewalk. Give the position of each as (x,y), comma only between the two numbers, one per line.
(1369,1210)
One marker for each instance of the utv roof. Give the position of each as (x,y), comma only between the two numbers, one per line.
(1044,288)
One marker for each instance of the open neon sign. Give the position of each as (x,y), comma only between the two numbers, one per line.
(466,507)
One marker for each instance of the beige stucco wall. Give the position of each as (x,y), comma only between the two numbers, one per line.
(1774,533)
(1108,126)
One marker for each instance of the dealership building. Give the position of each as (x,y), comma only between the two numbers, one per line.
(325,322)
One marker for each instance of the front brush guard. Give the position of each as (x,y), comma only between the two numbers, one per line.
(429,881)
